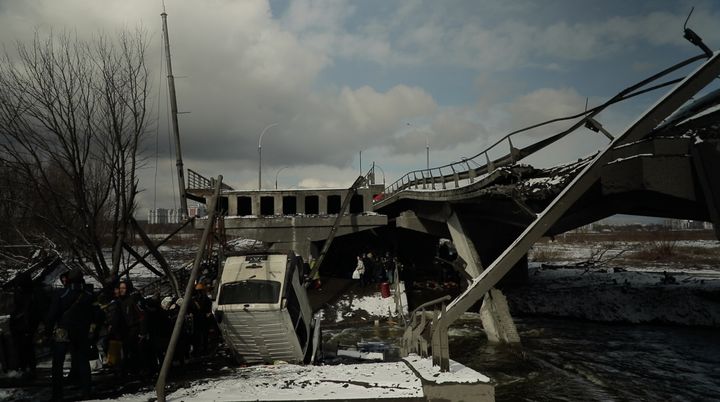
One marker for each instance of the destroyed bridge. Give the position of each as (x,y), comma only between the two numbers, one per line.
(494,205)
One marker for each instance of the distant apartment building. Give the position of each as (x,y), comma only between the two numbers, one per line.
(687,224)
(164,215)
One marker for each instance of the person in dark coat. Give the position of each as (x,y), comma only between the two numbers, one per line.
(202,319)
(369,263)
(24,321)
(133,327)
(70,317)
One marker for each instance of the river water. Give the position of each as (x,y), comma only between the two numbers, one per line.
(580,361)
(563,360)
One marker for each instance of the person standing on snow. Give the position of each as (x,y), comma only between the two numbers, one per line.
(69,320)
(360,271)
(134,328)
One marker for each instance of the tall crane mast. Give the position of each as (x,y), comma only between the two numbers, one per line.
(173,109)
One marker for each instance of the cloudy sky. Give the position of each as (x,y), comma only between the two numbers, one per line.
(381,77)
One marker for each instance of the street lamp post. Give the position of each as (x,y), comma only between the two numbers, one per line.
(427,151)
(277,173)
(260,153)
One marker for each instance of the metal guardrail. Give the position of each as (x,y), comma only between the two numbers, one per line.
(196,181)
(438,178)
(413,340)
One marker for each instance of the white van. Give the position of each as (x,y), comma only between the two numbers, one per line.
(263,310)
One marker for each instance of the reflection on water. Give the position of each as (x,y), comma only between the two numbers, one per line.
(578,361)
(571,361)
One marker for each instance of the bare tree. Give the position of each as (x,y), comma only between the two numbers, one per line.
(72,118)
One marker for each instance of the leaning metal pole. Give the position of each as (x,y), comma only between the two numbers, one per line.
(167,362)
(684,91)
(176,131)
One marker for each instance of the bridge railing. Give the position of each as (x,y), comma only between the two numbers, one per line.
(196,181)
(467,170)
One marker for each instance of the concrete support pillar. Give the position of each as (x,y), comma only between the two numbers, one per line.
(256,204)
(278,204)
(494,313)
(465,247)
(496,319)
(706,158)
(232,205)
(322,204)
(300,200)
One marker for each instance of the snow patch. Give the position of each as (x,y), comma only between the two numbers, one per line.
(374,305)
(458,374)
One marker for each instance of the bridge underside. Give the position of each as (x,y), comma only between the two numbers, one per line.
(299,233)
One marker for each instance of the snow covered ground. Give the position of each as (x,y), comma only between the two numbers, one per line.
(458,373)
(287,382)
(367,304)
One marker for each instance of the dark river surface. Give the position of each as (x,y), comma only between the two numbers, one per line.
(562,360)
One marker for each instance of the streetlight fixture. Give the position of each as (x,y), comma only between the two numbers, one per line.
(260,153)
(427,151)
(277,173)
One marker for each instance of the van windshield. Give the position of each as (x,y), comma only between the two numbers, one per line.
(250,291)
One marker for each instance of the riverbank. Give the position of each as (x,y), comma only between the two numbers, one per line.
(612,282)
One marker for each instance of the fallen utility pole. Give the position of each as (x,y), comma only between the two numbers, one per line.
(167,362)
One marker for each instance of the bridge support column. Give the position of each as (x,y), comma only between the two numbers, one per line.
(496,318)
(464,245)
(256,205)
(706,157)
(494,313)
(232,205)
(278,204)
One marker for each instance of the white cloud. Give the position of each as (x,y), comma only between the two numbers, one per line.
(245,68)
(544,104)
(482,35)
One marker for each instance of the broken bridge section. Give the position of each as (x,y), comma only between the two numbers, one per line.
(664,165)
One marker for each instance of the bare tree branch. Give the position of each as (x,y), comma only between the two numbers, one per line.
(72,118)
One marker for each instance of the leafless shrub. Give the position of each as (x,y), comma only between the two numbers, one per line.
(543,253)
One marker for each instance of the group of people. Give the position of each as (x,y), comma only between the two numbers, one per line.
(371,268)
(128,331)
